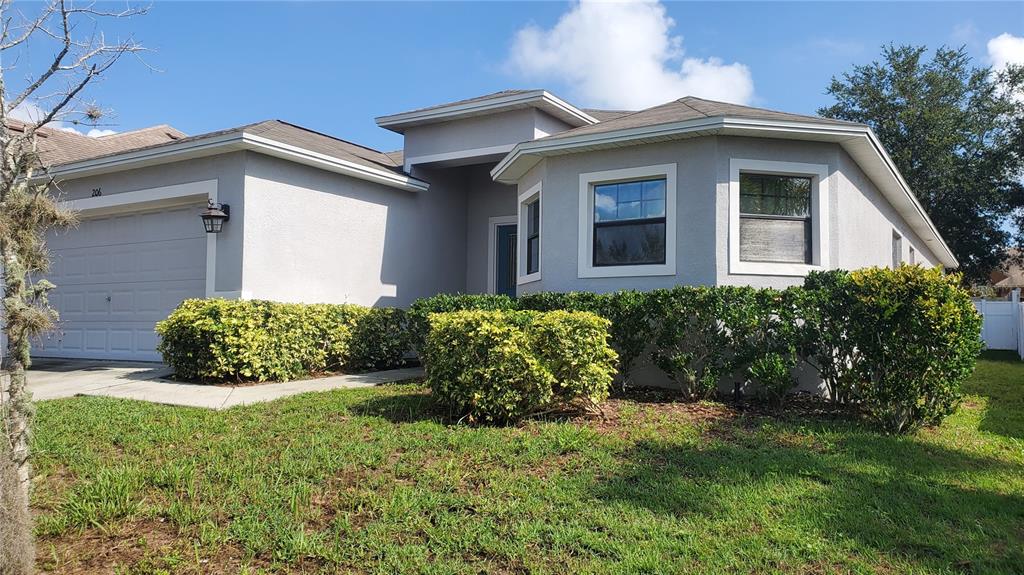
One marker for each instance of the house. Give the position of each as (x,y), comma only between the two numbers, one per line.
(1011,277)
(512,192)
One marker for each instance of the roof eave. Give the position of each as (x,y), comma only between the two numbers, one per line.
(526,155)
(232,142)
(541,99)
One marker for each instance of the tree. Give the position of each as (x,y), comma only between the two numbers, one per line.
(956,133)
(29,207)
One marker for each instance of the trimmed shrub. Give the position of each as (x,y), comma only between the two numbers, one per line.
(378,340)
(703,334)
(420,310)
(629,311)
(771,372)
(502,366)
(917,337)
(825,338)
(219,340)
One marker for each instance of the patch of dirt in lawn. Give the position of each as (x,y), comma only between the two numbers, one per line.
(144,546)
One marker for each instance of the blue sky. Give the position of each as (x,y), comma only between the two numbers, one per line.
(334,66)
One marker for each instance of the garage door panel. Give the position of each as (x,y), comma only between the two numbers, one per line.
(117,276)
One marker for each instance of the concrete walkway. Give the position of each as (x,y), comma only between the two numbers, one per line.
(57,378)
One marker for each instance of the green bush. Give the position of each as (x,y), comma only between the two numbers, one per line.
(502,366)
(379,340)
(703,335)
(826,340)
(772,373)
(420,310)
(917,336)
(629,311)
(220,340)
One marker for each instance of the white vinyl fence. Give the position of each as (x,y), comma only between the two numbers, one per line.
(1003,323)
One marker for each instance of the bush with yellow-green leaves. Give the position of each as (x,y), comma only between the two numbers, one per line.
(502,366)
(220,340)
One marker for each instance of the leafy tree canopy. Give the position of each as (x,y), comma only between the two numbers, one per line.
(956,133)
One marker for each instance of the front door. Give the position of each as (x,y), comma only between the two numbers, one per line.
(505,260)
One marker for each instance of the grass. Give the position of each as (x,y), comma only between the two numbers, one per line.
(372,481)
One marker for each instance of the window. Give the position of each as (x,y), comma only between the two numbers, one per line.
(913,256)
(778,217)
(775,218)
(533,236)
(530,237)
(897,249)
(627,222)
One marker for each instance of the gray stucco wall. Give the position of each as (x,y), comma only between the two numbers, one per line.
(316,236)
(501,129)
(695,214)
(861,220)
(227,169)
(867,219)
(485,199)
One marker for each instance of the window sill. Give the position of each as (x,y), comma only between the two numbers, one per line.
(772,269)
(626,271)
(528,278)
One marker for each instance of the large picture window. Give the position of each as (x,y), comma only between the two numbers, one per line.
(629,223)
(775,219)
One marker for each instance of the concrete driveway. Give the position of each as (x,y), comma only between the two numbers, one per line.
(57,378)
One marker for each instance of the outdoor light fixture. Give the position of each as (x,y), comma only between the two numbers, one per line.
(214,217)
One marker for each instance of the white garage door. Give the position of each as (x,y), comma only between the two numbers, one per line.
(117,275)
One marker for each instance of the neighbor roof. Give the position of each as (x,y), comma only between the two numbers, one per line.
(57,146)
(505,100)
(270,137)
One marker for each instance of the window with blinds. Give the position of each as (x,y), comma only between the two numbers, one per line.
(775,218)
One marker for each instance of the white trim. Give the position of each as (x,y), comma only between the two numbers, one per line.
(211,257)
(535,191)
(543,100)
(212,145)
(584,255)
(143,199)
(492,245)
(457,155)
(526,155)
(819,217)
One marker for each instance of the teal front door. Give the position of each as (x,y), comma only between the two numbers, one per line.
(505,260)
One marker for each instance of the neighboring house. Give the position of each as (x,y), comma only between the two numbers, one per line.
(1006,280)
(517,191)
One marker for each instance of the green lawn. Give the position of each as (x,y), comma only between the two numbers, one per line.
(371,481)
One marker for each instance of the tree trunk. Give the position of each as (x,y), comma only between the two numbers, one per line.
(16,554)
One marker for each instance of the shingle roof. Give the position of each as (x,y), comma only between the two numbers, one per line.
(485,97)
(276,130)
(57,146)
(605,115)
(690,108)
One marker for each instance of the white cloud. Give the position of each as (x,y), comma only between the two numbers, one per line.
(623,55)
(29,112)
(1006,49)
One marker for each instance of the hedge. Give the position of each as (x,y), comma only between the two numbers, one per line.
(898,343)
(502,366)
(217,340)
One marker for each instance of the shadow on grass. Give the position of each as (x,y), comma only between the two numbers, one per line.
(999,376)
(897,497)
(410,405)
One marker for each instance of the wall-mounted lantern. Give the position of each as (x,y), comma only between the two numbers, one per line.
(214,217)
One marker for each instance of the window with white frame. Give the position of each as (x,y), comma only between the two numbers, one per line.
(778,217)
(529,235)
(913,256)
(897,249)
(627,222)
